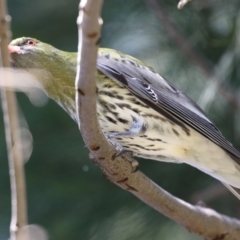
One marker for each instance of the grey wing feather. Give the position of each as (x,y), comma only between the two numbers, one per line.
(152,89)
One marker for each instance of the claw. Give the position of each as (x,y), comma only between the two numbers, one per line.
(120,151)
(135,166)
(134,163)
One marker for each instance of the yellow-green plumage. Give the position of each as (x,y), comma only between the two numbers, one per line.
(137,108)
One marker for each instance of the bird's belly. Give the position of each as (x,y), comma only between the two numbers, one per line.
(195,150)
(163,139)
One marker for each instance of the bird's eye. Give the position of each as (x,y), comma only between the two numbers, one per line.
(30,42)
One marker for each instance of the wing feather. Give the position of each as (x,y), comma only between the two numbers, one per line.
(152,89)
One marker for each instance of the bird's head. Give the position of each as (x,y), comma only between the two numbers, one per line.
(55,69)
(28,52)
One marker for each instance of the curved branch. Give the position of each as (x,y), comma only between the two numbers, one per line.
(119,170)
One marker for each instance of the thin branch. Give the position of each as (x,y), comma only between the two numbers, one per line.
(190,52)
(119,170)
(209,193)
(16,171)
(182,3)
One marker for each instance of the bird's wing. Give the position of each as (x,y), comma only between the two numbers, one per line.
(162,96)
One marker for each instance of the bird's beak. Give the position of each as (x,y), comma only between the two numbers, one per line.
(14,49)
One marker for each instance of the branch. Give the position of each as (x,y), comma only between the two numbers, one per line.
(16,171)
(119,170)
(182,3)
(190,52)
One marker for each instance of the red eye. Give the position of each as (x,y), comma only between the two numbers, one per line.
(30,42)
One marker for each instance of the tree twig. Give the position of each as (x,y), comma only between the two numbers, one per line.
(209,193)
(119,170)
(182,3)
(190,52)
(16,171)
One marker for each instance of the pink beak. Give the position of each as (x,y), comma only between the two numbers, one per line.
(14,49)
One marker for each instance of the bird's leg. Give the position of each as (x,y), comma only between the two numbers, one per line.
(117,145)
(138,128)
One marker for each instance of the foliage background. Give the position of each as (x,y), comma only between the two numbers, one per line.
(67,194)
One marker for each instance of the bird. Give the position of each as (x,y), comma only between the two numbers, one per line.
(137,108)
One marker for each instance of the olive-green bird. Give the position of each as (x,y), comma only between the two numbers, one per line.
(137,108)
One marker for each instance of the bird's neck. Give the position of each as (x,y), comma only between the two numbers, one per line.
(58,78)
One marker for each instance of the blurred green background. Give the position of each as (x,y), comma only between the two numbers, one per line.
(67,193)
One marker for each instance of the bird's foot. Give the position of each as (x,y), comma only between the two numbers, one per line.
(121,151)
(129,155)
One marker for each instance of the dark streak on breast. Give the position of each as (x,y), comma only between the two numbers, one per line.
(111,120)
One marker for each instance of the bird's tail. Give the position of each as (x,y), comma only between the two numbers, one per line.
(232,190)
